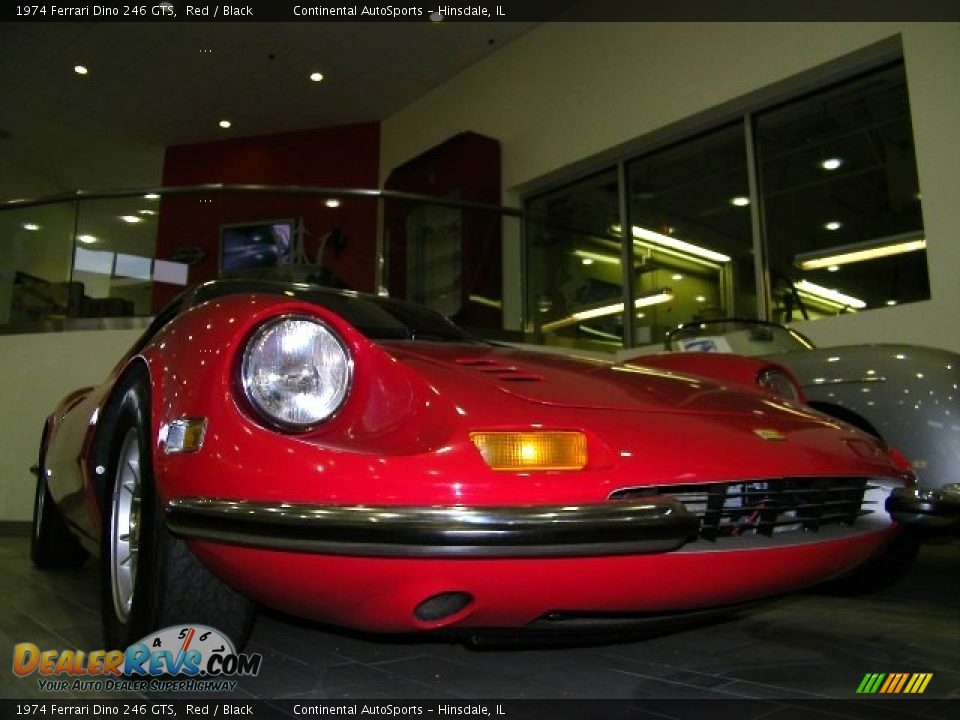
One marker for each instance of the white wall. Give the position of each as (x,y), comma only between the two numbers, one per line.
(568,91)
(38,370)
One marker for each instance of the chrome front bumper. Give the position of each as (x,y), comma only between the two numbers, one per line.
(928,510)
(615,528)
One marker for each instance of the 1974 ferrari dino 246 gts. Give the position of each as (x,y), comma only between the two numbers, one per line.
(361,461)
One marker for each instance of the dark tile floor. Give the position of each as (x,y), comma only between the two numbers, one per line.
(805,646)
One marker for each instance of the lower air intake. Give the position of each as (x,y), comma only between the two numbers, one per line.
(766,507)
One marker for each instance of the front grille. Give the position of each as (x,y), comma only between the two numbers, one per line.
(766,507)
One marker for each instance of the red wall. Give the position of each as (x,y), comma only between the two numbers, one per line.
(337,157)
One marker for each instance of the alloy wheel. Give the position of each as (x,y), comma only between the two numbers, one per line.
(125,524)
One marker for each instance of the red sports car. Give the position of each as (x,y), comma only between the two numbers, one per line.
(362,461)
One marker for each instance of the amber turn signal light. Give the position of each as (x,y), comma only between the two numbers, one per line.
(551,450)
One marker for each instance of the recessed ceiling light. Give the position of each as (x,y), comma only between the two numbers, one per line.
(740,201)
(87,239)
(132,219)
(701,299)
(316,77)
(676,276)
(152,196)
(833,268)
(80,69)
(833,225)
(226,124)
(331,202)
(891,302)
(831,163)
(587,261)
(30,226)
(147,212)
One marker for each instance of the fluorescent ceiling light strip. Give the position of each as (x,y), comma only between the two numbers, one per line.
(659,241)
(660,296)
(681,245)
(821,293)
(655,298)
(857,252)
(489,302)
(603,336)
(596,312)
(686,257)
(840,256)
(599,257)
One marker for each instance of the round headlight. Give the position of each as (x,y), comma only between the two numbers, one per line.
(779,383)
(296,372)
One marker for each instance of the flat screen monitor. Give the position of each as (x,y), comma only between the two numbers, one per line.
(255,245)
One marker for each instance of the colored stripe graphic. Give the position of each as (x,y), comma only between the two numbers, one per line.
(894,683)
(870,683)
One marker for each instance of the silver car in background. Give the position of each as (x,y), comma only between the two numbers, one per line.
(907,395)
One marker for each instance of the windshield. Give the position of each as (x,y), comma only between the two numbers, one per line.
(377,318)
(743,337)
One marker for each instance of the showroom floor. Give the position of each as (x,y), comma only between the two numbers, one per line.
(802,647)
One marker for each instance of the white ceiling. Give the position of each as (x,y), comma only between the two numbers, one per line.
(152,85)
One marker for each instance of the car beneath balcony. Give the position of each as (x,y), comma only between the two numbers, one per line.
(362,461)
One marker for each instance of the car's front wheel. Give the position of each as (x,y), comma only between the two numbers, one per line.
(150,578)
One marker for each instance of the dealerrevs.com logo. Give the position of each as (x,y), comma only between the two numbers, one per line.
(191,658)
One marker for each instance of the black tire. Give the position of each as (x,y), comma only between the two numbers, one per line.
(881,571)
(52,545)
(168,585)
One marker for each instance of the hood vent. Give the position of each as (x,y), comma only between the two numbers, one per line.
(498,370)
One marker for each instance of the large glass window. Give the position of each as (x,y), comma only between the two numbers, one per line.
(841,199)
(574,278)
(690,223)
(450,259)
(35,247)
(819,200)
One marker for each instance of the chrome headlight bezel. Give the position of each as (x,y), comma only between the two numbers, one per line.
(780,384)
(256,390)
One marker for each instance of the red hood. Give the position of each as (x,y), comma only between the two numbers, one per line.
(577,382)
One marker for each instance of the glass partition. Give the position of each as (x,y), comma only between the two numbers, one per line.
(841,199)
(556,274)
(35,262)
(574,278)
(798,211)
(453,258)
(691,228)
(68,261)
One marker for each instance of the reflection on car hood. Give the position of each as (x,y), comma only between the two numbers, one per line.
(579,382)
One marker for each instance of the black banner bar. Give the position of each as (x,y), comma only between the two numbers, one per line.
(479,10)
(234,707)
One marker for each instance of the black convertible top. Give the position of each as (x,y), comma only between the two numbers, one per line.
(378,318)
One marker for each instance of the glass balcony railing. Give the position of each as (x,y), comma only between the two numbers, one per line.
(114,259)
(95,260)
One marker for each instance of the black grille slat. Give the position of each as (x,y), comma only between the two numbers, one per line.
(765,507)
(798,520)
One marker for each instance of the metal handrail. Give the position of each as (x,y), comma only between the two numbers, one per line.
(18,203)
